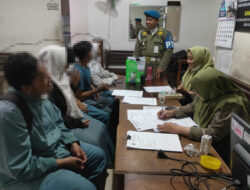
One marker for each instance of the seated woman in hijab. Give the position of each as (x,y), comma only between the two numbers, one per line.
(84,127)
(216,98)
(198,58)
(98,74)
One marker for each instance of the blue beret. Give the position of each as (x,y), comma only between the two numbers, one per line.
(137,19)
(152,13)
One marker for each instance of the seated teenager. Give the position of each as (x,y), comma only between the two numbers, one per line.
(99,97)
(75,77)
(84,127)
(48,156)
(98,74)
(216,98)
(198,58)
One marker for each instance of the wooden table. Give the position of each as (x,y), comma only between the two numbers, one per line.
(134,161)
(146,161)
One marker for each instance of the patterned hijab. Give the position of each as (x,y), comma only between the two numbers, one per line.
(202,59)
(215,90)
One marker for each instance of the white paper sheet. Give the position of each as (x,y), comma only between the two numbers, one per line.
(144,119)
(141,65)
(153,107)
(139,101)
(148,119)
(157,107)
(152,89)
(154,141)
(223,60)
(133,93)
(186,122)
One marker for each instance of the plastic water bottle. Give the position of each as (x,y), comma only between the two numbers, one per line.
(206,141)
(149,74)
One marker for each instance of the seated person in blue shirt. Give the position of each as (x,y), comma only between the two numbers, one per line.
(48,156)
(99,97)
(74,77)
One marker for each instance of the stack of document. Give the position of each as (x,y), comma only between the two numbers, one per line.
(170,92)
(140,101)
(134,97)
(148,119)
(153,141)
(132,93)
(152,89)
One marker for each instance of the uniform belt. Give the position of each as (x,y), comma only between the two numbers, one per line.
(152,59)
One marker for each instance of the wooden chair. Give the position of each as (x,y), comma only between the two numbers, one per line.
(243,86)
(181,62)
(116,61)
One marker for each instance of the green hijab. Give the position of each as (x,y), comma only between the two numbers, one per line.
(215,90)
(202,59)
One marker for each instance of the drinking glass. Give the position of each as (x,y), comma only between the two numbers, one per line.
(161,97)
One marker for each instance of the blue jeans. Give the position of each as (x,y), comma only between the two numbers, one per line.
(97,113)
(96,134)
(109,99)
(104,102)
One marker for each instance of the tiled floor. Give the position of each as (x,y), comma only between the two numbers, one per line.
(109,182)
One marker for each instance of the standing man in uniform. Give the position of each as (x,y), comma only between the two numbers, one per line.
(155,43)
(138,26)
(131,30)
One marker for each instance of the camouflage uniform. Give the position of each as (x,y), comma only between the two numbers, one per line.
(138,28)
(157,48)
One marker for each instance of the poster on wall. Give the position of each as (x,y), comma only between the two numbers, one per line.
(226,23)
(223,60)
(243,16)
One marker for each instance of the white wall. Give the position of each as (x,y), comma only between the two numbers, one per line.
(198,22)
(104,22)
(240,59)
(79,19)
(28,21)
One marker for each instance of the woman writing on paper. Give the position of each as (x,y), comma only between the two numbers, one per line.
(216,98)
(198,59)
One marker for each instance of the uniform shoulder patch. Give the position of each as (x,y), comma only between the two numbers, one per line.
(168,42)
